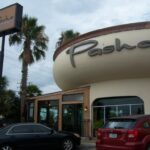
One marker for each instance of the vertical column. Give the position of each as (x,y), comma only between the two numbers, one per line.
(2,55)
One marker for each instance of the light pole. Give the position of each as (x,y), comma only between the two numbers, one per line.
(2,56)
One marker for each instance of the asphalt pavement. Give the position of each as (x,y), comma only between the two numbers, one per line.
(87,144)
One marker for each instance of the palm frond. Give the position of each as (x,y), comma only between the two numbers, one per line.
(41,45)
(38,53)
(15,39)
(66,36)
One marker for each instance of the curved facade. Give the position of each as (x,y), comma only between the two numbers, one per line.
(102,74)
(115,53)
(115,64)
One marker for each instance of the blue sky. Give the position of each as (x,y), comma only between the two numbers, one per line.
(60,15)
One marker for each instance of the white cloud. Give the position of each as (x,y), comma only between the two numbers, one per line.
(60,15)
(77,7)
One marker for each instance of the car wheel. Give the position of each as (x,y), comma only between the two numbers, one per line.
(68,144)
(6,147)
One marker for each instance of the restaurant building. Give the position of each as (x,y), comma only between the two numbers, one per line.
(102,74)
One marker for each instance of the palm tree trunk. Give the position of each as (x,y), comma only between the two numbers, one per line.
(23,88)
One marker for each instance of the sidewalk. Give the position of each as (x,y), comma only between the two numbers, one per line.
(87,144)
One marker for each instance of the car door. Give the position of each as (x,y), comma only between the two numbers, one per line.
(46,137)
(22,136)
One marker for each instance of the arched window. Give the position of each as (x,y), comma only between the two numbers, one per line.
(117,101)
(105,108)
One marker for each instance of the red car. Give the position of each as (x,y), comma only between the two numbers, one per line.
(125,133)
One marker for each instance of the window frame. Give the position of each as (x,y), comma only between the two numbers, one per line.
(31,133)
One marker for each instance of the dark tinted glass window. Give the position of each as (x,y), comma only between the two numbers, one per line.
(73,97)
(137,109)
(123,110)
(53,102)
(21,129)
(117,101)
(30,113)
(120,124)
(40,129)
(72,118)
(48,113)
(146,125)
(43,114)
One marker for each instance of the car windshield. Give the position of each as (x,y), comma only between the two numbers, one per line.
(120,123)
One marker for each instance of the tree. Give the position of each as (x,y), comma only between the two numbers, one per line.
(10,106)
(34,42)
(5,105)
(3,84)
(66,36)
(9,102)
(3,88)
(33,90)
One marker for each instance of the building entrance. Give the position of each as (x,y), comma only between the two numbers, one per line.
(72,118)
(48,113)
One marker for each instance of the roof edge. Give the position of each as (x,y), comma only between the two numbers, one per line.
(103,31)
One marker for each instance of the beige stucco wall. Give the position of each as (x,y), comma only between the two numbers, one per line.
(127,87)
(113,66)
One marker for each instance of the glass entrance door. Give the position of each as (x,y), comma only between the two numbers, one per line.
(72,118)
(48,113)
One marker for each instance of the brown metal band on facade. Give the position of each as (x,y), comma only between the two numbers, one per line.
(104,31)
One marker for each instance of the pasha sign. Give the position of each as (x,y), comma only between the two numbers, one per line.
(90,47)
(10,19)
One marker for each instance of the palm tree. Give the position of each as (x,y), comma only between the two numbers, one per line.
(34,42)
(33,90)
(66,36)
